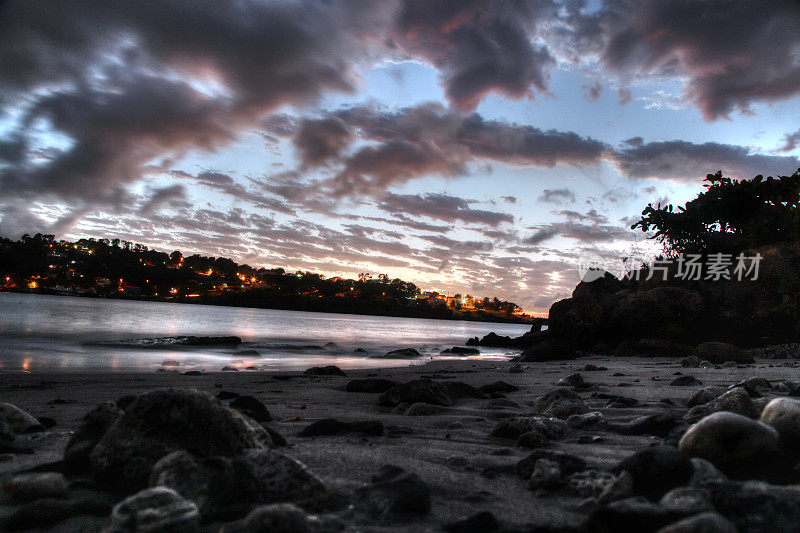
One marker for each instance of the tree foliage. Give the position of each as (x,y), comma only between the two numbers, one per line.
(729,216)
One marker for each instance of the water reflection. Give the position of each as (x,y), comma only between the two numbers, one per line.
(47,332)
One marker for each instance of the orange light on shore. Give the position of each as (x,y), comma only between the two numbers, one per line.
(173,290)
(32,285)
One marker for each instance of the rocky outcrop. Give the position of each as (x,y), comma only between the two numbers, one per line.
(161,422)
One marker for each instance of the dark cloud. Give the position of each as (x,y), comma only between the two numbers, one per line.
(686,161)
(162,196)
(509,199)
(557,196)
(132,81)
(317,141)
(478,47)
(734,53)
(430,139)
(791,141)
(579,231)
(625,96)
(442,207)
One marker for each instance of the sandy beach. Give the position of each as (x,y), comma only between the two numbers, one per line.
(449,448)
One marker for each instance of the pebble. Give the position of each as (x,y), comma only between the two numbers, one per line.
(154,510)
(560,403)
(735,401)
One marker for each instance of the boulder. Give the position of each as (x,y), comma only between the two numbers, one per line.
(691,362)
(783,414)
(329,370)
(251,407)
(18,420)
(560,403)
(550,349)
(419,390)
(155,510)
(404,353)
(705,395)
(656,470)
(740,447)
(422,409)
(225,487)
(458,350)
(573,380)
(685,381)
(721,352)
(658,424)
(735,401)
(757,506)
(91,429)
(664,312)
(370,385)
(160,422)
(630,514)
(394,496)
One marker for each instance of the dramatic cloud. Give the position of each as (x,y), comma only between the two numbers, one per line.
(430,139)
(320,140)
(479,47)
(685,161)
(734,53)
(442,207)
(162,196)
(194,74)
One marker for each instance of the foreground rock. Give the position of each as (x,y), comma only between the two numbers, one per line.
(18,420)
(154,510)
(91,429)
(735,401)
(419,390)
(560,403)
(224,487)
(783,414)
(656,470)
(394,496)
(740,447)
(161,422)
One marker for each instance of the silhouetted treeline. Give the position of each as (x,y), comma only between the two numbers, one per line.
(122,269)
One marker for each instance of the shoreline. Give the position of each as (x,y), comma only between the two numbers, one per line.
(449,448)
(489,319)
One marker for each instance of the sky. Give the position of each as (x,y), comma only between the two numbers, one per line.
(476,147)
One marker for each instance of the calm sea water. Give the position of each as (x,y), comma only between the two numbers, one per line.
(54,333)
